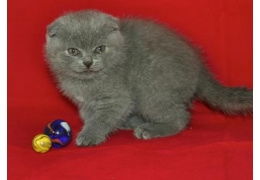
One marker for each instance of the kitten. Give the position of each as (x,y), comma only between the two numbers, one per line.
(131,73)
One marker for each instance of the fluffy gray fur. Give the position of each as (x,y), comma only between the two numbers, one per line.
(142,76)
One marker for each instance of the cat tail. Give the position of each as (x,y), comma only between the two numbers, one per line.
(231,100)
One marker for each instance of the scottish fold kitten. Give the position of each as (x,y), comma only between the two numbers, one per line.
(131,73)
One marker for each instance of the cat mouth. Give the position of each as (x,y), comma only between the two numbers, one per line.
(89,71)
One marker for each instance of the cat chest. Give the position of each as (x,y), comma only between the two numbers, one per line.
(75,93)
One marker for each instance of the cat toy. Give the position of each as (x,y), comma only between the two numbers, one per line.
(57,134)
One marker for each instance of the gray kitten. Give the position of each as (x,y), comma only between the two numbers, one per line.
(131,73)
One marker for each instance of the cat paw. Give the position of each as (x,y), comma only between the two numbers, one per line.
(142,133)
(85,139)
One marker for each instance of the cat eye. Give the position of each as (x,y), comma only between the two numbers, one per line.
(73,51)
(100,49)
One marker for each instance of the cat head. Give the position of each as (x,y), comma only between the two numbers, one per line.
(83,43)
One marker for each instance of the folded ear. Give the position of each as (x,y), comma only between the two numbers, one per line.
(115,28)
(115,24)
(52,29)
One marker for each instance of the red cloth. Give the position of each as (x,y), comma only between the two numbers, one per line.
(215,147)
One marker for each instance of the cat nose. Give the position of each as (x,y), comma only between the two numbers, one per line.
(87,63)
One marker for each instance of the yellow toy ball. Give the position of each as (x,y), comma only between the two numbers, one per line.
(41,143)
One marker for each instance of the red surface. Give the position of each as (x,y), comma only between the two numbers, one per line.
(216,147)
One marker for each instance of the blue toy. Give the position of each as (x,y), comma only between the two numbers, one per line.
(60,133)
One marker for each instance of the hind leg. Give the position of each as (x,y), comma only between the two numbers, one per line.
(168,122)
(132,122)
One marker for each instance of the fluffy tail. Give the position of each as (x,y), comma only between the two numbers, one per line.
(227,99)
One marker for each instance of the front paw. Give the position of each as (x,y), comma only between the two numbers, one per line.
(88,139)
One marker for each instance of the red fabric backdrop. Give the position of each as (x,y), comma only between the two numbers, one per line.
(215,147)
